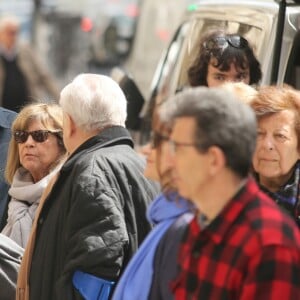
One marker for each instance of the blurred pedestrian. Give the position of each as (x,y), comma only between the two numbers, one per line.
(10,260)
(240,245)
(276,161)
(35,153)
(221,58)
(149,271)
(23,78)
(224,57)
(93,219)
(6,119)
(246,93)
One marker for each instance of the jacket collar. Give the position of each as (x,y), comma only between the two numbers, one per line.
(115,135)
(222,223)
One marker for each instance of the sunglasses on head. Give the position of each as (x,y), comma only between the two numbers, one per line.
(223,42)
(38,136)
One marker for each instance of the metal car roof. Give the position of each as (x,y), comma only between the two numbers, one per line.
(243,2)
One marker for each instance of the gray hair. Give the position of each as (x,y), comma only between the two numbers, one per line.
(94,102)
(221,119)
(9,19)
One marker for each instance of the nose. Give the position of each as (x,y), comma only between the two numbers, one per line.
(145,150)
(170,156)
(30,141)
(233,79)
(268,142)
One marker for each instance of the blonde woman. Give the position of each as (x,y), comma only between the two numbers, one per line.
(35,153)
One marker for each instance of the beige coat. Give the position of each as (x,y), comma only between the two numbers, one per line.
(38,79)
(22,290)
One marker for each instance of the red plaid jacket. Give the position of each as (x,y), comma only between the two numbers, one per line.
(251,251)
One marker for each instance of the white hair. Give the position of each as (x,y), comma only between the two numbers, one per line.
(94,102)
(9,19)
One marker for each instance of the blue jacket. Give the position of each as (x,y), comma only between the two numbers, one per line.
(136,281)
(6,119)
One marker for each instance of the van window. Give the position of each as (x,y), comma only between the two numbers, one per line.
(184,49)
(165,81)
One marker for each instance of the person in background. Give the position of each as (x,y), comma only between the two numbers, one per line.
(35,154)
(224,57)
(221,58)
(23,78)
(94,217)
(276,162)
(240,245)
(6,119)
(147,274)
(10,260)
(245,92)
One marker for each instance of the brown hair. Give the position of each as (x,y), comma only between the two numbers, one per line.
(274,99)
(242,58)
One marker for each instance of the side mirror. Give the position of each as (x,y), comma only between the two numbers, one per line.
(135,100)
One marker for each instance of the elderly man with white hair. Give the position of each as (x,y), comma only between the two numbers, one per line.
(94,218)
(23,78)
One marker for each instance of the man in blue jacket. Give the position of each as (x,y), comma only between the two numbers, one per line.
(6,119)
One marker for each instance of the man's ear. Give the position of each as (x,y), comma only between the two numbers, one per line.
(217,159)
(69,125)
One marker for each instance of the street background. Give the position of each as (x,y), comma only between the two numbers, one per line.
(77,36)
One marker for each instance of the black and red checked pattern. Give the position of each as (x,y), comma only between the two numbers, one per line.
(251,250)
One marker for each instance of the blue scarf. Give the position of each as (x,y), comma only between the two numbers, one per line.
(135,283)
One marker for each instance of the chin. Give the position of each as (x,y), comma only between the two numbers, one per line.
(183,192)
(151,175)
(270,174)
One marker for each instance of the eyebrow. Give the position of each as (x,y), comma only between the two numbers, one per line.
(224,73)
(279,129)
(282,129)
(243,73)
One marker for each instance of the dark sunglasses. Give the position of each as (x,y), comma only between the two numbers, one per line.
(156,139)
(223,42)
(38,136)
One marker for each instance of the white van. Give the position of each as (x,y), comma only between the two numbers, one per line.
(157,23)
(271,26)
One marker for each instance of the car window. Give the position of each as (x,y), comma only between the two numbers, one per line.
(184,48)
(166,83)
(256,25)
(199,26)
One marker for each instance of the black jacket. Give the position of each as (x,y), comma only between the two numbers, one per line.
(94,218)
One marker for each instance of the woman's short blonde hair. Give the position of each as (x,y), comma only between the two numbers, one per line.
(50,115)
